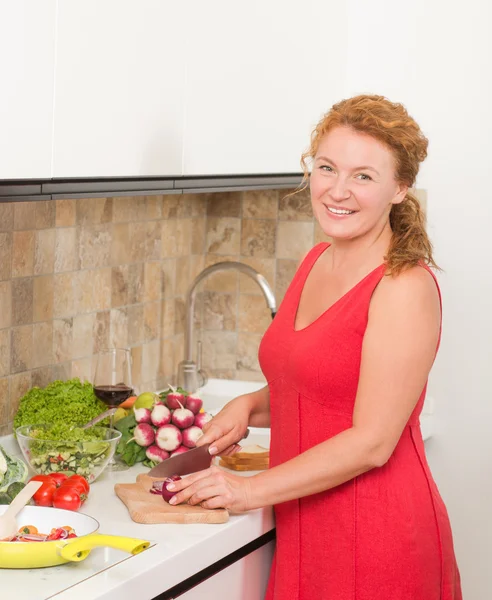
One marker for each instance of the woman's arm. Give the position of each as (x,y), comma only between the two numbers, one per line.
(397,354)
(260,408)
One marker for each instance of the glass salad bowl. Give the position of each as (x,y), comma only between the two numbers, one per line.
(55,449)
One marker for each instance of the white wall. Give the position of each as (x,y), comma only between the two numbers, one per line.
(437,60)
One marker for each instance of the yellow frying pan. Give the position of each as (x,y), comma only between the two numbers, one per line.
(29,555)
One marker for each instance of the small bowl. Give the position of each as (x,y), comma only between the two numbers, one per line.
(87,458)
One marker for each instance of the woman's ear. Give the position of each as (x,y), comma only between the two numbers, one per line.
(400,194)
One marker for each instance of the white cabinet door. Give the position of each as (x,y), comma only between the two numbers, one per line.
(119,88)
(246,579)
(27,45)
(259,76)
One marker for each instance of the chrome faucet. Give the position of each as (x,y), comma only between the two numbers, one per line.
(190,374)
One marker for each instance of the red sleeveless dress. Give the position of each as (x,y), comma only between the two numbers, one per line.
(384,535)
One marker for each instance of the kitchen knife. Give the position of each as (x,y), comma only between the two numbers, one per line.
(192,461)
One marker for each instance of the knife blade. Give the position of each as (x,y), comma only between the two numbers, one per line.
(194,460)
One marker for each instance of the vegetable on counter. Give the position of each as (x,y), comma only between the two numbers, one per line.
(69,402)
(160,426)
(12,470)
(129,402)
(69,493)
(160,487)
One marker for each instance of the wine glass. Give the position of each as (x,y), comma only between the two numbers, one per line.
(113,385)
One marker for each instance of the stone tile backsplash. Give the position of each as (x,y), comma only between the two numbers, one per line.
(270,231)
(78,275)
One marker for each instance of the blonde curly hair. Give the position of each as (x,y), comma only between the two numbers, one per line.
(390,124)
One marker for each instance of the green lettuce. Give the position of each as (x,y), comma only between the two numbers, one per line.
(69,402)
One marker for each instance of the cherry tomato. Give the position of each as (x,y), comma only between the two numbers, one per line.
(58,478)
(67,498)
(82,480)
(44,496)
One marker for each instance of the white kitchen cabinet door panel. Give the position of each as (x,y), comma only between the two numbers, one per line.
(27,59)
(119,89)
(382,54)
(246,579)
(259,77)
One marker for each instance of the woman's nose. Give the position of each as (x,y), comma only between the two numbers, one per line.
(339,190)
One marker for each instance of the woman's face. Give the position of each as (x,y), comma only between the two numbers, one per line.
(353,185)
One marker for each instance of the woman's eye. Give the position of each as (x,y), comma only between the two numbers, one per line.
(364,177)
(326,168)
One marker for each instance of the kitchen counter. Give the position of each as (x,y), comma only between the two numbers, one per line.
(177,551)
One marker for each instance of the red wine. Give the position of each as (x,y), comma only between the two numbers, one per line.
(113,395)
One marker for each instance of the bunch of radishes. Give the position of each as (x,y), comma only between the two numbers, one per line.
(171,428)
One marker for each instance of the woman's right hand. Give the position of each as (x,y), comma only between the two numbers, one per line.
(227,428)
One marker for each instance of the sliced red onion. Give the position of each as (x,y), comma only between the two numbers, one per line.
(157,487)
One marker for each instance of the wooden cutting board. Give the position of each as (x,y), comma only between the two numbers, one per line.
(145,507)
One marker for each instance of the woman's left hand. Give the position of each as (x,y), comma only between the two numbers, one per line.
(213,488)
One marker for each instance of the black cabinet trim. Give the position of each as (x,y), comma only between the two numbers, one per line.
(212,570)
(105,187)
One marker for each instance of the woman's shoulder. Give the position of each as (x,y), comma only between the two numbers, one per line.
(412,290)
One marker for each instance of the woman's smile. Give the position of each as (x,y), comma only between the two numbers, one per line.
(337,211)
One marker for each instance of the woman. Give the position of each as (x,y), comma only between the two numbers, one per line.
(346,359)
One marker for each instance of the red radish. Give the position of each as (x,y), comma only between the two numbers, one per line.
(194,404)
(168,437)
(175,400)
(191,436)
(166,494)
(142,415)
(156,454)
(143,434)
(201,419)
(183,418)
(180,450)
(161,415)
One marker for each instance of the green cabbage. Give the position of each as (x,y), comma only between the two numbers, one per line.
(11,470)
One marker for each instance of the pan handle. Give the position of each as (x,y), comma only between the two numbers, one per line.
(77,549)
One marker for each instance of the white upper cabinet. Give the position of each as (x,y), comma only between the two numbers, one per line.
(27,43)
(119,89)
(259,76)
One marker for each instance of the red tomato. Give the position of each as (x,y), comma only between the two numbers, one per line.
(58,478)
(67,498)
(44,496)
(82,480)
(55,534)
(77,486)
(41,478)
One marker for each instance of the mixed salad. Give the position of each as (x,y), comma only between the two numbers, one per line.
(30,533)
(81,457)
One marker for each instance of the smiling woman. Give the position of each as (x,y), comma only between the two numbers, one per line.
(347,358)
(379,148)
